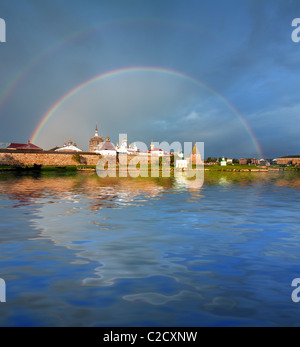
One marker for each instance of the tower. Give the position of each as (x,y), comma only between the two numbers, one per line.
(95,141)
(196,155)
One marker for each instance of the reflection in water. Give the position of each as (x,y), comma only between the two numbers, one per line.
(149,251)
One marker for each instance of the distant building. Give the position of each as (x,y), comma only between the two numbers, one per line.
(289,160)
(68,147)
(106,149)
(223,162)
(24,146)
(133,150)
(195,155)
(181,163)
(95,141)
(229,161)
(264,162)
(254,161)
(243,161)
(247,161)
(157,151)
(124,149)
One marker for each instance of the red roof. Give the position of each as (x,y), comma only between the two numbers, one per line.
(107,146)
(28,145)
(158,150)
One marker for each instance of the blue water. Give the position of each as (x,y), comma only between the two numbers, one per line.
(79,250)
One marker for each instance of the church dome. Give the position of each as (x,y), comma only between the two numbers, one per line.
(95,141)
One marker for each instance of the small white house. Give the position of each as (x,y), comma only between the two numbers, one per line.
(223,162)
(181,163)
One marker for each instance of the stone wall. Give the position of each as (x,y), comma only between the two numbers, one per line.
(45,158)
(288,161)
(51,158)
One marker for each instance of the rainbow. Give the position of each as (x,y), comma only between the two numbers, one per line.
(109,74)
(17,79)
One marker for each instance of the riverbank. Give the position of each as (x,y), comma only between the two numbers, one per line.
(92,168)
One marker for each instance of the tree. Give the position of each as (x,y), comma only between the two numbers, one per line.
(172,160)
(76,158)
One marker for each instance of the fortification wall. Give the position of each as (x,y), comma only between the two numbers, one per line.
(51,158)
(28,158)
(288,161)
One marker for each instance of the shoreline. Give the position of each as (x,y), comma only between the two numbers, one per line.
(11,168)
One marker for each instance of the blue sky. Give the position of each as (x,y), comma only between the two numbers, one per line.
(241,50)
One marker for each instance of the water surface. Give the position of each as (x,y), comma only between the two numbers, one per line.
(81,250)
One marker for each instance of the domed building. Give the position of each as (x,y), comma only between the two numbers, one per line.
(68,147)
(95,141)
(107,148)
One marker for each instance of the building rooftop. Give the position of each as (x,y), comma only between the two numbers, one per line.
(291,156)
(68,147)
(195,150)
(107,146)
(28,145)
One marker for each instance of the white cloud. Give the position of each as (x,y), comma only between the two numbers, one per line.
(192,116)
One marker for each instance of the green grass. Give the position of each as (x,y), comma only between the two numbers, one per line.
(230,167)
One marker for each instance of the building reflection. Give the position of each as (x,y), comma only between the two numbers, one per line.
(99,191)
(79,213)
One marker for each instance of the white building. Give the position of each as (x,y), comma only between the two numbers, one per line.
(181,163)
(223,162)
(133,150)
(68,147)
(157,151)
(124,149)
